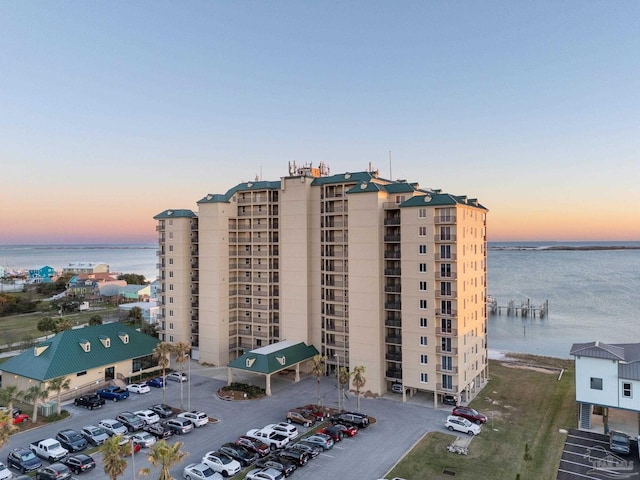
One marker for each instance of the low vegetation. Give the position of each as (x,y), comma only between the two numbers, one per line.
(528,403)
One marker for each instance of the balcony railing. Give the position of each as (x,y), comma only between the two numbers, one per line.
(393,288)
(452,388)
(393,305)
(395,374)
(392,254)
(394,340)
(393,272)
(450,371)
(444,238)
(393,357)
(444,219)
(446,332)
(451,352)
(441,294)
(446,313)
(392,221)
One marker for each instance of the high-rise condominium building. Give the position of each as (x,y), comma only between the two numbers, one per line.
(372,272)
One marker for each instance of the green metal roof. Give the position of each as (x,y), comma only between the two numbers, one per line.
(63,354)
(247,186)
(274,357)
(436,199)
(346,177)
(180,213)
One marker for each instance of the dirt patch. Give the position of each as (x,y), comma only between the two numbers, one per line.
(535,368)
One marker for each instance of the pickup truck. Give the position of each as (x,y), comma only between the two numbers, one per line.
(49,449)
(89,401)
(274,439)
(113,393)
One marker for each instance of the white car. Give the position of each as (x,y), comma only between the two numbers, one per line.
(197,418)
(222,463)
(5,472)
(284,428)
(147,416)
(463,425)
(138,388)
(113,427)
(200,471)
(177,377)
(145,439)
(265,474)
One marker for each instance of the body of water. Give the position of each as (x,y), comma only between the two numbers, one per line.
(593,294)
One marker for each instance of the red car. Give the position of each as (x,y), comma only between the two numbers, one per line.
(19,418)
(334,431)
(347,430)
(255,445)
(470,414)
(314,411)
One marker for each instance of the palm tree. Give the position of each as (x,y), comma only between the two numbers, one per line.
(317,369)
(162,353)
(34,394)
(62,325)
(343,379)
(113,454)
(57,385)
(95,320)
(6,426)
(8,394)
(181,351)
(358,381)
(166,456)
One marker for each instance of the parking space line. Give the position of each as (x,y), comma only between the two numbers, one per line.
(576,474)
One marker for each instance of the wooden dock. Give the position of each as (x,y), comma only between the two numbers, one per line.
(526,309)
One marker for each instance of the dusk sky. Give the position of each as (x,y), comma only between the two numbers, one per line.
(111,112)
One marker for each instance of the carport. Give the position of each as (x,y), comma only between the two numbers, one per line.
(272,359)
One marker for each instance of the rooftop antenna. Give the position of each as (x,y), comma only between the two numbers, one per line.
(390,174)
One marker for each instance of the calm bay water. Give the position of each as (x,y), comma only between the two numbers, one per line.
(592,294)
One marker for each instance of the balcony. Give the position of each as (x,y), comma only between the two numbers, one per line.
(444,238)
(392,221)
(393,288)
(392,254)
(393,357)
(393,374)
(451,351)
(393,340)
(441,294)
(448,371)
(446,313)
(444,219)
(446,332)
(393,305)
(446,276)
(445,258)
(393,323)
(452,388)
(392,238)
(393,272)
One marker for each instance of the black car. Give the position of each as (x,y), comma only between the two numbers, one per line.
(450,400)
(312,450)
(79,463)
(287,467)
(89,401)
(241,454)
(162,409)
(23,460)
(158,430)
(71,440)
(55,471)
(299,457)
(351,418)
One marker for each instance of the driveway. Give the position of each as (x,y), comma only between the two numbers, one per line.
(369,455)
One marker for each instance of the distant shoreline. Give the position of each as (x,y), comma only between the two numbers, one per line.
(567,247)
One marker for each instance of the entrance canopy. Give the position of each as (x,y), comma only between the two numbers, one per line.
(273,359)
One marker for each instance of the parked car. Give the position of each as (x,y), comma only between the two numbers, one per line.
(200,471)
(243,455)
(71,440)
(94,435)
(179,426)
(162,409)
(177,377)
(449,400)
(155,382)
(222,463)
(470,414)
(79,463)
(148,416)
(145,439)
(335,433)
(285,428)
(23,460)
(347,430)
(619,442)
(20,417)
(295,455)
(462,425)
(320,439)
(5,473)
(55,471)
(265,474)
(198,419)
(396,387)
(312,450)
(138,388)
(126,439)
(130,420)
(351,418)
(254,444)
(112,426)
(286,467)
(315,411)
(158,430)
(301,417)
(89,401)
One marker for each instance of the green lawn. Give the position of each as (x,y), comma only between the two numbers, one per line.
(521,440)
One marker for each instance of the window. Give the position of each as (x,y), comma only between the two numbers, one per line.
(171,248)
(626,390)
(422,231)
(424,378)
(445,251)
(170,325)
(422,267)
(171,274)
(422,249)
(423,341)
(423,322)
(423,359)
(447,382)
(171,261)
(596,383)
(80,374)
(422,213)
(423,304)
(445,270)
(422,286)
(171,313)
(171,286)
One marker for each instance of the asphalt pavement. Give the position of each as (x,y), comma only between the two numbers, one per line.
(369,455)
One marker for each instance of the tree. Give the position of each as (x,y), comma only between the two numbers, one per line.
(149,329)
(62,325)
(57,385)
(95,320)
(34,394)
(358,381)
(162,353)
(47,325)
(113,454)
(6,426)
(135,315)
(343,379)
(181,350)
(316,364)
(133,279)
(166,456)
(8,394)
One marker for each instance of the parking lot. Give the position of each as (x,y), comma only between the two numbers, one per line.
(586,455)
(369,455)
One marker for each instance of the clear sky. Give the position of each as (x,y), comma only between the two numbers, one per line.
(113,111)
